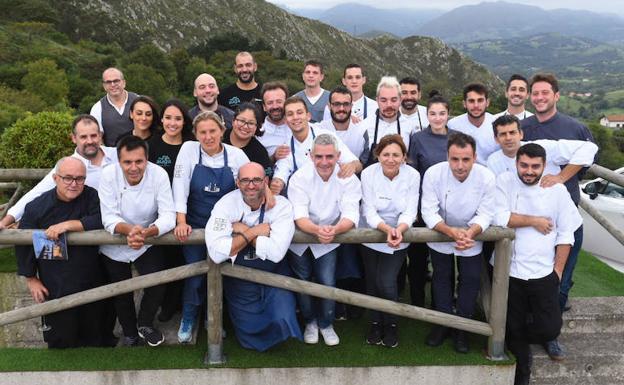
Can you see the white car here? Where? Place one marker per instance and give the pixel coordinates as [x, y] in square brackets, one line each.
[608, 198]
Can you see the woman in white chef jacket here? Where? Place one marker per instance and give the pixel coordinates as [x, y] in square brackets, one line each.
[390, 204]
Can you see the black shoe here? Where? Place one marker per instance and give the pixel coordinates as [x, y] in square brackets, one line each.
[130, 341]
[374, 334]
[390, 338]
[437, 335]
[460, 341]
[152, 336]
[554, 350]
[567, 306]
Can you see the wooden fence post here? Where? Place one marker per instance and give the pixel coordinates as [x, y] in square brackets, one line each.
[215, 354]
[498, 305]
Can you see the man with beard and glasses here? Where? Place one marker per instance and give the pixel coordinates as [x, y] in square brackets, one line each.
[386, 120]
[275, 132]
[314, 96]
[548, 123]
[87, 136]
[246, 89]
[517, 93]
[354, 79]
[476, 122]
[413, 115]
[206, 92]
[353, 135]
[545, 220]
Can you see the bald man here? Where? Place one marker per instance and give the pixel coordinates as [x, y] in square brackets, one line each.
[242, 229]
[205, 92]
[113, 111]
[69, 207]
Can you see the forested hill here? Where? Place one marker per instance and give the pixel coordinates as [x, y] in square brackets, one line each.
[172, 24]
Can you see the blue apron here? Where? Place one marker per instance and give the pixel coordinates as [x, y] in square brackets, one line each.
[207, 186]
[263, 316]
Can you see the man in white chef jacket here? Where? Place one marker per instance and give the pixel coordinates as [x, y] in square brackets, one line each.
[301, 141]
[324, 206]
[545, 219]
[458, 201]
[573, 154]
[136, 201]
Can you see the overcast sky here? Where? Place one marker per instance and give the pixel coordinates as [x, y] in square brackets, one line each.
[612, 6]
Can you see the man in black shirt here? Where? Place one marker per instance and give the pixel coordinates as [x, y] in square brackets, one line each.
[71, 206]
[206, 92]
[246, 89]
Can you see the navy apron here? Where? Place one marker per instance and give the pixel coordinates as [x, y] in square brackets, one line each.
[372, 159]
[208, 185]
[295, 166]
[263, 316]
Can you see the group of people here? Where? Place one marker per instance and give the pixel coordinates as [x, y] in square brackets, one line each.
[323, 162]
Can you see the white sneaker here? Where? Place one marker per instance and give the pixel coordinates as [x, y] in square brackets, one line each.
[310, 335]
[330, 336]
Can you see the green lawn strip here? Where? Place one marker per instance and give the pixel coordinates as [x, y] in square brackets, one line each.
[594, 278]
[8, 263]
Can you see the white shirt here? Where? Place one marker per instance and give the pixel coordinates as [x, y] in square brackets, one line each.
[357, 108]
[523, 115]
[389, 201]
[384, 128]
[188, 157]
[412, 122]
[47, 183]
[458, 204]
[96, 110]
[285, 167]
[230, 209]
[558, 153]
[325, 203]
[533, 253]
[274, 135]
[483, 135]
[147, 203]
[355, 137]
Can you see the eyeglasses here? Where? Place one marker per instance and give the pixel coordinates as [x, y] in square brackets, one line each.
[338, 104]
[246, 181]
[111, 82]
[69, 179]
[246, 123]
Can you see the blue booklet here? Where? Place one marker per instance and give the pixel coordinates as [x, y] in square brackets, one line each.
[48, 249]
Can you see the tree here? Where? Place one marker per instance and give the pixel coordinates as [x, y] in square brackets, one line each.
[151, 56]
[147, 81]
[45, 79]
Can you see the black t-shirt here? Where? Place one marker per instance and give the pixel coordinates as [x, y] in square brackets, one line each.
[164, 154]
[255, 151]
[232, 96]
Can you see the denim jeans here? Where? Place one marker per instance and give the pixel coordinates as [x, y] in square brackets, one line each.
[566, 277]
[323, 270]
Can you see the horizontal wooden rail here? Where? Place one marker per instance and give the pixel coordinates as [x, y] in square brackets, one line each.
[11, 174]
[607, 174]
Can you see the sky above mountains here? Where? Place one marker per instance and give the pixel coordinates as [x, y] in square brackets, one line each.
[601, 6]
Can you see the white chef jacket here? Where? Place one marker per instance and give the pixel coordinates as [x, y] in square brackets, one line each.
[458, 204]
[412, 122]
[47, 183]
[385, 128]
[357, 108]
[273, 136]
[325, 203]
[230, 209]
[390, 201]
[147, 203]
[523, 115]
[483, 135]
[558, 153]
[533, 253]
[188, 157]
[355, 137]
[285, 167]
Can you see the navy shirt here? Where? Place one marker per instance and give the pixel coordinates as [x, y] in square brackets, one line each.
[427, 149]
[560, 126]
[82, 269]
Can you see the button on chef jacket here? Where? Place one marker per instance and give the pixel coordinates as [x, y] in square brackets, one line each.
[147, 203]
[458, 204]
[390, 201]
[533, 253]
[274, 135]
[415, 122]
[47, 183]
[230, 209]
[483, 135]
[325, 203]
[355, 137]
[384, 128]
[188, 157]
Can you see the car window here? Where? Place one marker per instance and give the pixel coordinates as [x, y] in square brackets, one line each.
[614, 191]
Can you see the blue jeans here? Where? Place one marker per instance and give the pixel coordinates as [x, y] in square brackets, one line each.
[469, 269]
[323, 270]
[566, 277]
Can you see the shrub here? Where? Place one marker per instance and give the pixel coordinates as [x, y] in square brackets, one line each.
[46, 80]
[37, 141]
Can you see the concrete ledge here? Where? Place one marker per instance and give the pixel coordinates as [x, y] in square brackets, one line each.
[439, 375]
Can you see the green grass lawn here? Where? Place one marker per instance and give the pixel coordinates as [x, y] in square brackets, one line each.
[594, 278]
[8, 263]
